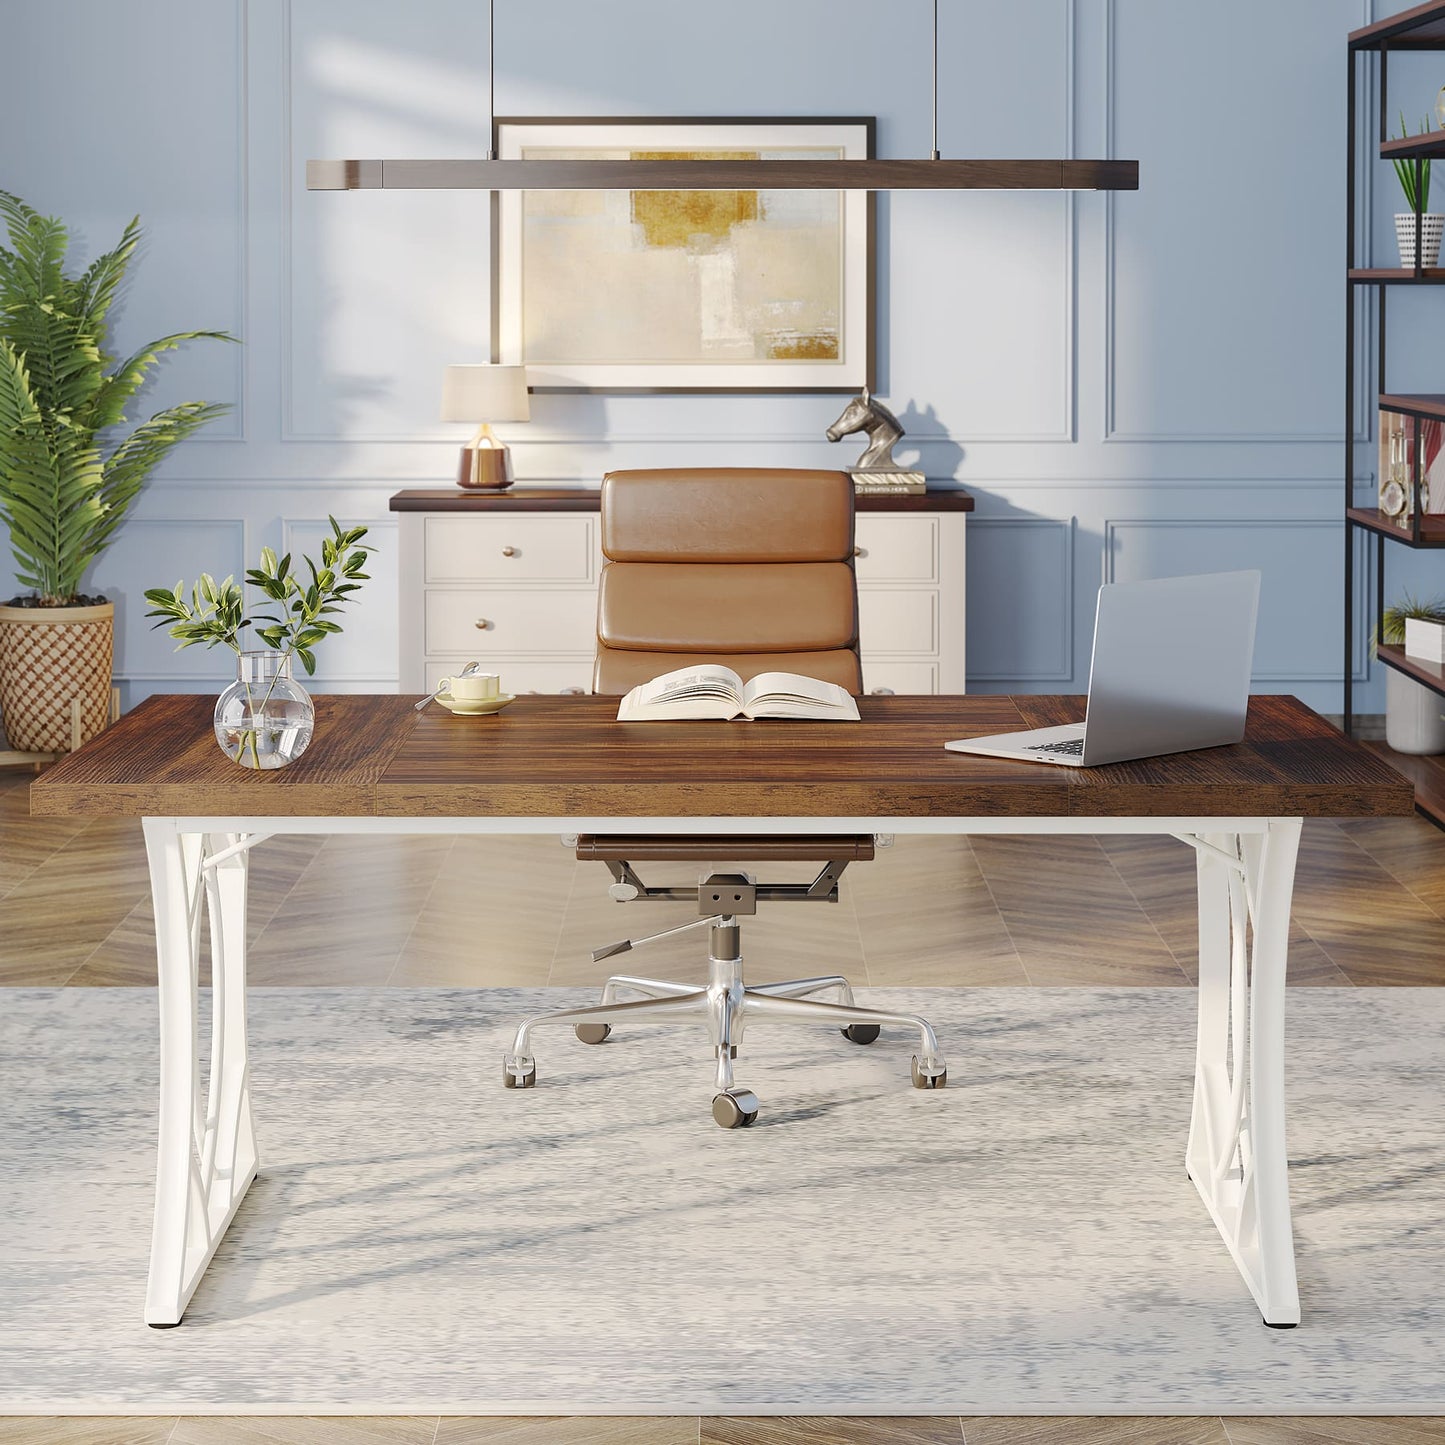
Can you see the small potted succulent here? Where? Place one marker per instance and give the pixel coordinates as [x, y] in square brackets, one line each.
[265, 719]
[1431, 225]
[1413, 713]
[70, 468]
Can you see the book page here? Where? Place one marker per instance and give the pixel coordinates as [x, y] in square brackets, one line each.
[790, 694]
[706, 691]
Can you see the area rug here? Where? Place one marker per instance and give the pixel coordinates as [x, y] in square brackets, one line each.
[422, 1240]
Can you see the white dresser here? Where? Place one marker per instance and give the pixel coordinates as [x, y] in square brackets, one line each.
[510, 578]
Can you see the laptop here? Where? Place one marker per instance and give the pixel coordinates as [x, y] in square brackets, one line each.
[1170, 673]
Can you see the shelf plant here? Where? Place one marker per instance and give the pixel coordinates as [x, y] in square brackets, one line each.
[1414, 178]
[1413, 720]
[264, 719]
[71, 465]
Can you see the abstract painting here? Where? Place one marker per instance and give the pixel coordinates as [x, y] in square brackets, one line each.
[764, 290]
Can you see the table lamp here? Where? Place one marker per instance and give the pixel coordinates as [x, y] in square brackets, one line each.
[498, 393]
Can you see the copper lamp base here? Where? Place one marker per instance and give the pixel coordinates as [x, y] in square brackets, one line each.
[485, 468]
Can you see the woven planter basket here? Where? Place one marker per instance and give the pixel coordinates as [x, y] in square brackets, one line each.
[49, 655]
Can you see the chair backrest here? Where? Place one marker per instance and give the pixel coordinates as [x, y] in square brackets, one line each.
[749, 565]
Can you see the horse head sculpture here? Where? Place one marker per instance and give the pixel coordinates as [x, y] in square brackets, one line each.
[866, 414]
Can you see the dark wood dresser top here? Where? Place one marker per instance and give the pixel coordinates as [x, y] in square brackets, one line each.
[587, 499]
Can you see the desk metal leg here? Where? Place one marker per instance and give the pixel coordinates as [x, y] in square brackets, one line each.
[207, 1153]
[1236, 1154]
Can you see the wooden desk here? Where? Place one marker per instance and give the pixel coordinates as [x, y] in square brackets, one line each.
[563, 765]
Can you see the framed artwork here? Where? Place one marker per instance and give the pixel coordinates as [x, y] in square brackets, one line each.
[685, 291]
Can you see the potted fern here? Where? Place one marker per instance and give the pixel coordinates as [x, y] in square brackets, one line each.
[69, 468]
[1416, 198]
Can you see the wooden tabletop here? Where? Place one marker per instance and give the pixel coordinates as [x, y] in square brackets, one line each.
[560, 757]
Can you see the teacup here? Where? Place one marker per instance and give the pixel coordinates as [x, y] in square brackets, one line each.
[478, 687]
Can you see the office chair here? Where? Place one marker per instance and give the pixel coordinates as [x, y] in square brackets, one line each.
[753, 567]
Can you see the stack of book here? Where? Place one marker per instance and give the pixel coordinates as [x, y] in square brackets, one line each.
[893, 481]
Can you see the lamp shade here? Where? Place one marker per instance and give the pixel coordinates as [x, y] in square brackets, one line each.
[485, 393]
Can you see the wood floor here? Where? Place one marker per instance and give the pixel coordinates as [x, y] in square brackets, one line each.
[74, 910]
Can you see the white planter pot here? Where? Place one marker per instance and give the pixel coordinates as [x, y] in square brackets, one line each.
[1431, 228]
[1413, 721]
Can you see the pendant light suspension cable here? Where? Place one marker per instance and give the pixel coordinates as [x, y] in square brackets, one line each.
[578, 174]
[935, 80]
[492, 75]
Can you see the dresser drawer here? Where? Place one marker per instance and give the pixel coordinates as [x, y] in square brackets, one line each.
[895, 620]
[509, 549]
[526, 676]
[897, 549]
[476, 622]
[887, 675]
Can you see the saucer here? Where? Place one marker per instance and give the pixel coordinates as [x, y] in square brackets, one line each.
[475, 707]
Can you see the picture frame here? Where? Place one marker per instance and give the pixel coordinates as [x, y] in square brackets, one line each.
[684, 291]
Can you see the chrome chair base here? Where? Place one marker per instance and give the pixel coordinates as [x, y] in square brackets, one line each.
[725, 1005]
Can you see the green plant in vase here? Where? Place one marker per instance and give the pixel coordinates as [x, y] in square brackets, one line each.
[265, 718]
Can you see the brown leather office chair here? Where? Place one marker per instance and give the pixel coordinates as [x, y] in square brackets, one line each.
[753, 567]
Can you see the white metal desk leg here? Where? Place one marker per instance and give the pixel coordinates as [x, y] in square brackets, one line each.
[206, 1157]
[1236, 1154]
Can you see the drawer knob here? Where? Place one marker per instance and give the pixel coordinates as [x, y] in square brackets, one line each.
[883, 692]
[574, 692]
[860, 551]
[509, 551]
[483, 623]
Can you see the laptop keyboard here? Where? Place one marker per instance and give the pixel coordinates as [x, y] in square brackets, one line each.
[1074, 747]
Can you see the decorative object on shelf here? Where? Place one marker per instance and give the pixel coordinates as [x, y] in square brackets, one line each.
[1431, 226]
[682, 291]
[1440, 108]
[1398, 439]
[68, 470]
[1425, 636]
[875, 470]
[496, 393]
[1413, 712]
[264, 719]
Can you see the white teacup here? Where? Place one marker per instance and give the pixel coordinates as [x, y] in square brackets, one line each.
[476, 688]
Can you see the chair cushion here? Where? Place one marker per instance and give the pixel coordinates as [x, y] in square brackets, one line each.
[714, 608]
[727, 514]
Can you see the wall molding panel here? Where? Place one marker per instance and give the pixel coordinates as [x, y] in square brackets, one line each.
[1113, 432]
[1043, 551]
[1232, 554]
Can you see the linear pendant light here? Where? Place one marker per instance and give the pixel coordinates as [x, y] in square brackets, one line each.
[934, 174]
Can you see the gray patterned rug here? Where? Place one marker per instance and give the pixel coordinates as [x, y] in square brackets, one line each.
[422, 1240]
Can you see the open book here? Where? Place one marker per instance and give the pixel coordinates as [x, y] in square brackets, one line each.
[713, 691]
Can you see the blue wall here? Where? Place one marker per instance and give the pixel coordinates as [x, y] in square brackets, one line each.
[1130, 386]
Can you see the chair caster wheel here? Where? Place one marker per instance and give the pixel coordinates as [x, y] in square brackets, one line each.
[861, 1033]
[928, 1075]
[593, 1033]
[519, 1073]
[735, 1108]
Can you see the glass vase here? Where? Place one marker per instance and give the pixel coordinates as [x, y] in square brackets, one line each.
[265, 718]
